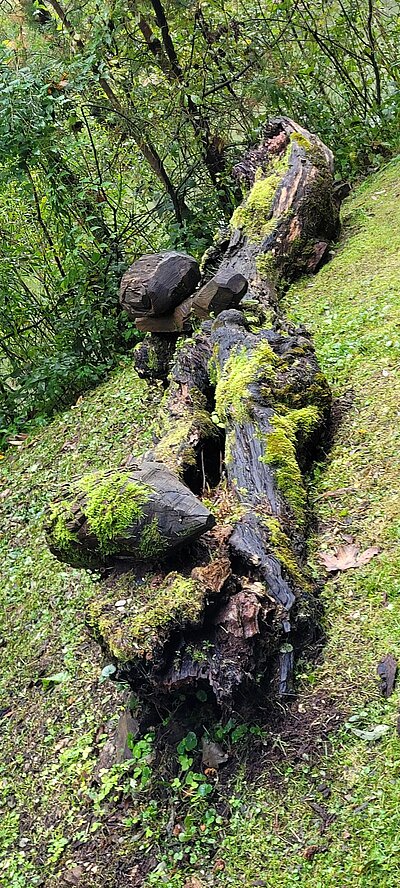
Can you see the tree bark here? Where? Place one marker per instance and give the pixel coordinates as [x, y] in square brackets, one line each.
[244, 413]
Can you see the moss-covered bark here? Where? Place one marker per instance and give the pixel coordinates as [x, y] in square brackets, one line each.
[247, 396]
[142, 513]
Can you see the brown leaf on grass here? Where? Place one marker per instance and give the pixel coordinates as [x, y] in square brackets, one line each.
[219, 865]
[73, 876]
[346, 557]
[312, 850]
[193, 882]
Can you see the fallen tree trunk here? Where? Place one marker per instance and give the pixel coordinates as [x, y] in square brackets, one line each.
[245, 407]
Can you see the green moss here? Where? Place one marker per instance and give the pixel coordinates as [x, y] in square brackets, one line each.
[113, 503]
[317, 393]
[283, 550]
[229, 445]
[58, 534]
[266, 267]
[139, 629]
[232, 395]
[254, 215]
[280, 453]
[152, 358]
[152, 541]
[301, 140]
[176, 433]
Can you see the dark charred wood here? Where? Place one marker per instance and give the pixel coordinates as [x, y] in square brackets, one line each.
[225, 290]
[222, 291]
[187, 439]
[142, 513]
[154, 356]
[246, 405]
[157, 282]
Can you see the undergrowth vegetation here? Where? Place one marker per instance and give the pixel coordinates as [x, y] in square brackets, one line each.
[119, 128]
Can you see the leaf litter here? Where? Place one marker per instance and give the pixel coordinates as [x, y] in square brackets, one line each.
[347, 557]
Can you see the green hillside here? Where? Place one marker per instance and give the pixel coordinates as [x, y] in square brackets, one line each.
[325, 808]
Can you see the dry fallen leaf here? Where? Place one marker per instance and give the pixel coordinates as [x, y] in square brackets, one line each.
[219, 865]
[73, 876]
[214, 575]
[213, 755]
[346, 557]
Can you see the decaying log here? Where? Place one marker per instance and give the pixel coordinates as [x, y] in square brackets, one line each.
[156, 283]
[290, 215]
[186, 436]
[144, 513]
[245, 408]
[274, 402]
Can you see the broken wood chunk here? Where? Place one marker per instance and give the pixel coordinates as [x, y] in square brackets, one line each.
[157, 282]
[142, 512]
[387, 671]
[224, 290]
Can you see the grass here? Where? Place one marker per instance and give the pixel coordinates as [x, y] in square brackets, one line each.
[325, 810]
[51, 731]
[352, 307]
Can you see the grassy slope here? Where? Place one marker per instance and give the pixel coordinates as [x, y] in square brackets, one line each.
[50, 737]
[353, 309]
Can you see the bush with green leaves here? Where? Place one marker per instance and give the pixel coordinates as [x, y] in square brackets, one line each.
[119, 127]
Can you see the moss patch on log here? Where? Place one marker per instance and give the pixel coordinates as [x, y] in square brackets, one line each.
[59, 534]
[301, 140]
[232, 395]
[179, 434]
[266, 267]
[283, 550]
[254, 215]
[113, 503]
[280, 453]
[133, 620]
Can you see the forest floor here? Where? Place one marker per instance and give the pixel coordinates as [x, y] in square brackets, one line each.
[309, 803]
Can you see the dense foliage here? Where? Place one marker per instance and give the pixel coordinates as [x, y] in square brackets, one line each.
[119, 125]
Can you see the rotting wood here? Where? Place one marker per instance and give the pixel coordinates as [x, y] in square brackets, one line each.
[244, 411]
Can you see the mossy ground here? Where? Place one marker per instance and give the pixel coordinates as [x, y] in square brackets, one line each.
[50, 737]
